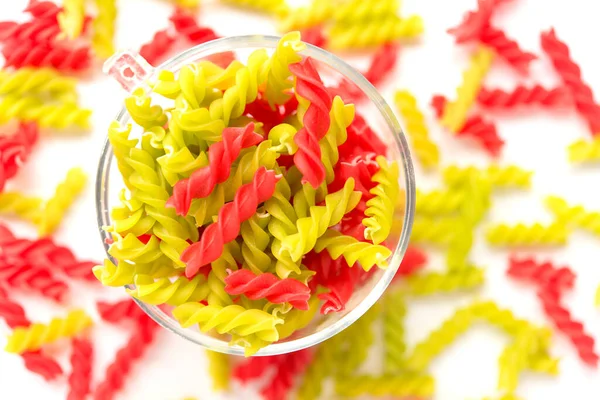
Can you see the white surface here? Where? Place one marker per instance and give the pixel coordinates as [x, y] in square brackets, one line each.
[174, 368]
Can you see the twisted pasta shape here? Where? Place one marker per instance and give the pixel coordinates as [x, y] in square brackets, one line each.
[103, 28]
[319, 218]
[29, 108]
[465, 278]
[341, 116]
[218, 274]
[275, 7]
[80, 378]
[231, 215]
[394, 311]
[570, 73]
[584, 151]
[29, 53]
[36, 81]
[65, 194]
[386, 385]
[282, 138]
[279, 83]
[219, 369]
[296, 319]
[232, 319]
[506, 48]
[438, 202]
[25, 275]
[143, 112]
[513, 360]
[120, 311]
[373, 33]
[425, 149]
[118, 137]
[356, 11]
[255, 242]
[366, 254]
[509, 176]
[322, 366]
[37, 335]
[25, 207]
[575, 215]
[380, 209]
[524, 96]
[455, 112]
[522, 234]
[430, 230]
[72, 17]
[158, 47]
[114, 275]
[304, 17]
[165, 291]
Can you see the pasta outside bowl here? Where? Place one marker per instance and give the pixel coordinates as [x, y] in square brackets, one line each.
[132, 71]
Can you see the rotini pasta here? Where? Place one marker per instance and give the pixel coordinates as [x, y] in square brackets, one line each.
[374, 33]
[35, 336]
[356, 11]
[53, 115]
[426, 150]
[165, 291]
[256, 240]
[219, 368]
[216, 278]
[584, 151]
[28, 208]
[455, 112]
[574, 215]
[37, 81]
[341, 117]
[72, 17]
[438, 202]
[103, 28]
[279, 82]
[314, 14]
[274, 7]
[438, 231]
[380, 209]
[555, 233]
[353, 251]
[464, 278]
[386, 385]
[110, 274]
[394, 311]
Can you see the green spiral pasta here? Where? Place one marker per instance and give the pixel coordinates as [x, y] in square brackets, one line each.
[366, 254]
[65, 194]
[219, 369]
[232, 319]
[216, 278]
[37, 81]
[256, 240]
[16, 203]
[143, 112]
[380, 209]
[356, 341]
[341, 116]
[386, 385]
[130, 248]
[103, 28]
[282, 138]
[279, 82]
[466, 278]
[165, 291]
[312, 227]
[394, 311]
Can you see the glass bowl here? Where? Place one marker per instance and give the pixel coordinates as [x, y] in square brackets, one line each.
[133, 71]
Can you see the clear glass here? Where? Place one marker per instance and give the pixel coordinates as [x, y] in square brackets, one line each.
[131, 71]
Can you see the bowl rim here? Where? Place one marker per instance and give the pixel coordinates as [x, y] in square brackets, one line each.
[234, 43]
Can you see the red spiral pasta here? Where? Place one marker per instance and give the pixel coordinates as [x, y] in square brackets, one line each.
[475, 21]
[38, 30]
[227, 227]
[340, 288]
[314, 35]
[570, 73]
[19, 274]
[289, 366]
[361, 168]
[253, 368]
[382, 64]
[43, 9]
[524, 96]
[543, 274]
[361, 139]
[186, 25]
[12, 313]
[316, 122]
[29, 53]
[268, 286]
[126, 357]
[506, 48]
[15, 150]
[80, 378]
[120, 311]
[574, 330]
[414, 259]
[158, 47]
[221, 156]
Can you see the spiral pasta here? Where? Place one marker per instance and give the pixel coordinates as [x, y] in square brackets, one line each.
[110, 274]
[521, 234]
[118, 137]
[219, 369]
[37, 81]
[71, 18]
[513, 360]
[574, 215]
[386, 385]
[356, 11]
[103, 28]
[394, 311]
[465, 278]
[438, 231]
[54, 115]
[509, 176]
[279, 83]
[584, 151]
[425, 149]
[455, 112]
[35, 336]
[353, 251]
[274, 7]
[341, 117]
[232, 319]
[64, 195]
[143, 112]
[380, 209]
[304, 17]
[323, 365]
[216, 278]
[438, 202]
[256, 240]
[296, 319]
[374, 33]
[282, 138]
[165, 291]
[28, 208]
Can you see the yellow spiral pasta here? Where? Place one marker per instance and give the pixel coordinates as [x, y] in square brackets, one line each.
[256, 240]
[186, 3]
[165, 291]
[315, 14]
[65, 194]
[543, 363]
[310, 228]
[465, 278]
[16, 203]
[219, 369]
[526, 235]
[341, 116]
[72, 17]
[218, 272]
[439, 202]
[514, 360]
[374, 33]
[232, 319]
[574, 215]
[129, 217]
[434, 230]
[356, 11]
[386, 385]
[584, 151]
[455, 111]
[500, 177]
[460, 246]
[394, 311]
[130, 248]
[37, 81]
[273, 7]
[425, 149]
[54, 115]
[282, 139]
[380, 209]
[37, 335]
[110, 274]
[296, 319]
[353, 251]
[143, 112]
[103, 28]
[279, 82]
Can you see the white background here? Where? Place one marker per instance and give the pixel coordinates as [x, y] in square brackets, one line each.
[535, 139]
